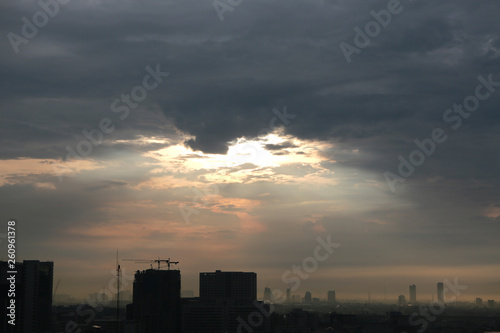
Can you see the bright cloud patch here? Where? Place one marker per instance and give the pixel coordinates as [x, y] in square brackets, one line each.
[275, 156]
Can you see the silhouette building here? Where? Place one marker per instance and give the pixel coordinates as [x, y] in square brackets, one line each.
[227, 303]
[267, 294]
[33, 296]
[299, 320]
[413, 294]
[440, 291]
[157, 301]
[233, 285]
[331, 297]
[479, 301]
[308, 297]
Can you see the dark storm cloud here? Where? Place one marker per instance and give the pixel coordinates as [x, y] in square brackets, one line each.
[227, 76]
[280, 146]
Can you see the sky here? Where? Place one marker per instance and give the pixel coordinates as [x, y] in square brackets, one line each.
[232, 135]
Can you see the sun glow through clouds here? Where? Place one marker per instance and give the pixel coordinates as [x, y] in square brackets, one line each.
[246, 158]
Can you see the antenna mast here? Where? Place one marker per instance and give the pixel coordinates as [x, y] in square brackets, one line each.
[117, 294]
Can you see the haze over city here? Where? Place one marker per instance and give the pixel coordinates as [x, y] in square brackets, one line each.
[233, 139]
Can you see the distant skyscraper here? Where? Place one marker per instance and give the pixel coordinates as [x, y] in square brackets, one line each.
[157, 301]
[440, 291]
[479, 301]
[413, 294]
[331, 297]
[308, 297]
[401, 300]
[33, 295]
[288, 300]
[187, 293]
[267, 294]
[491, 303]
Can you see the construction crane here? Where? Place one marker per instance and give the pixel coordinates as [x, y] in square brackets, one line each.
[159, 261]
[55, 289]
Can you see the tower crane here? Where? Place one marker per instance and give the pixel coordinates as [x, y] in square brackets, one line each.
[159, 261]
[55, 289]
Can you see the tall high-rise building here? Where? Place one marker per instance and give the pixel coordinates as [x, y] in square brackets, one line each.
[288, 299]
[33, 296]
[227, 303]
[240, 286]
[401, 300]
[157, 301]
[440, 291]
[413, 294]
[308, 297]
[331, 297]
[479, 301]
